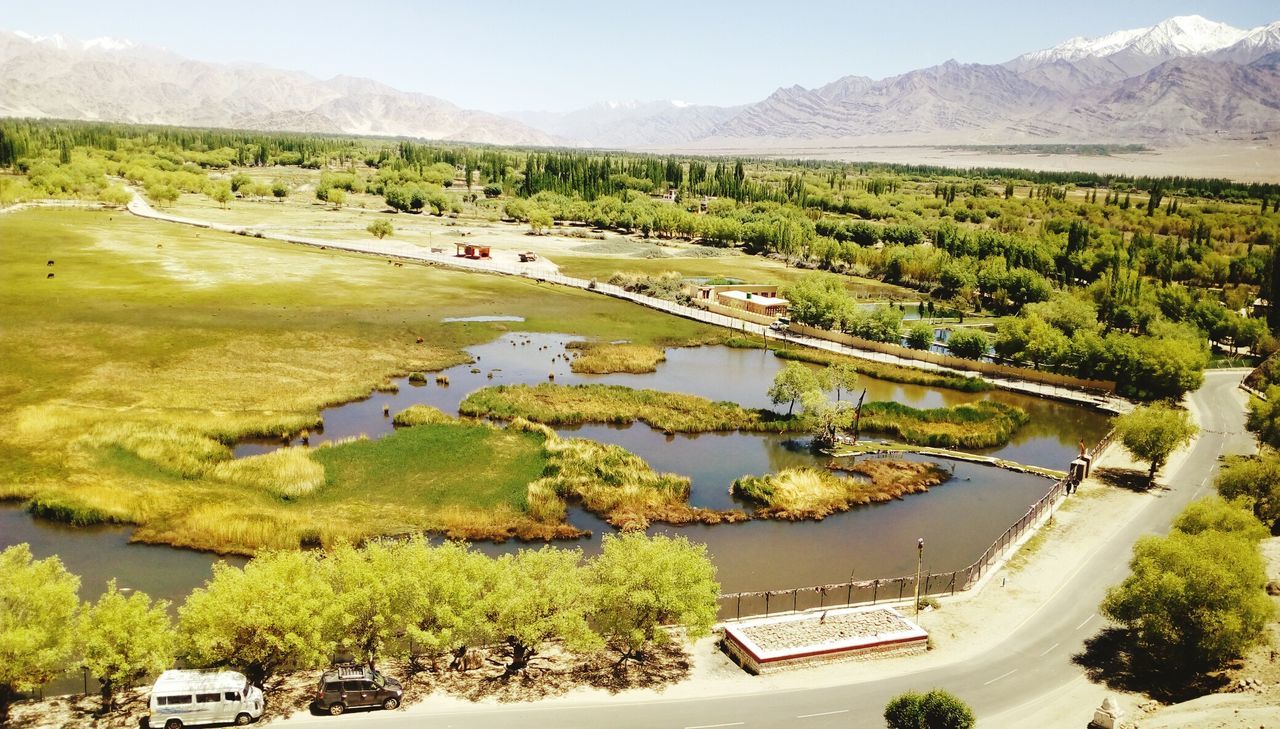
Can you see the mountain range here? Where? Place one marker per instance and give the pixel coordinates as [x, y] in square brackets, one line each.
[1184, 80]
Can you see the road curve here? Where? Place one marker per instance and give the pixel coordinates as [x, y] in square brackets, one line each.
[1032, 663]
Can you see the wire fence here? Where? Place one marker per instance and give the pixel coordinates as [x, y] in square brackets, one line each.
[738, 605]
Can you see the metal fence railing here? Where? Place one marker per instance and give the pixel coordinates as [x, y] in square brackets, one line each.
[735, 606]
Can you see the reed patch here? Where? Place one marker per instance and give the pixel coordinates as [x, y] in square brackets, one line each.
[811, 493]
[605, 358]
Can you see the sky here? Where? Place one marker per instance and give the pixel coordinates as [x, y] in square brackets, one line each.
[559, 55]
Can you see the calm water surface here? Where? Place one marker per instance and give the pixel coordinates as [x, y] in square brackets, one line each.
[958, 519]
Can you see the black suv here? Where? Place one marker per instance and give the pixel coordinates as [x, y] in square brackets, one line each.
[348, 687]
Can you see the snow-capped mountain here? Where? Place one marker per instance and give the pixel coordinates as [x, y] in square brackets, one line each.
[1179, 37]
[1183, 80]
[1185, 35]
[1256, 44]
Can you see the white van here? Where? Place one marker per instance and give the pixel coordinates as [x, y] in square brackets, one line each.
[193, 698]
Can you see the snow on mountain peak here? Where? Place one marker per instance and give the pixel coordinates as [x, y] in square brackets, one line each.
[1178, 36]
[107, 44]
[1188, 34]
[56, 40]
[59, 42]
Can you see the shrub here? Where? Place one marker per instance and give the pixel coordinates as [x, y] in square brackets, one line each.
[937, 709]
[920, 336]
[420, 415]
[968, 343]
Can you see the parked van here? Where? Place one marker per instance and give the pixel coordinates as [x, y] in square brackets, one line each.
[196, 698]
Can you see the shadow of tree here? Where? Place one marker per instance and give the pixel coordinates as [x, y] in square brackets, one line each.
[554, 673]
[1126, 478]
[1110, 658]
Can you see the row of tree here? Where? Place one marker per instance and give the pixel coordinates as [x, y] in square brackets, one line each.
[297, 610]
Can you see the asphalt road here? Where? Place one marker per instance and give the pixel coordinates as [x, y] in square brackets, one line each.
[1032, 663]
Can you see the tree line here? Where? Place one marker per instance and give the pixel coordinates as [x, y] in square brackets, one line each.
[388, 599]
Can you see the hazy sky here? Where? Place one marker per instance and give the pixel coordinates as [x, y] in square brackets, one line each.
[561, 54]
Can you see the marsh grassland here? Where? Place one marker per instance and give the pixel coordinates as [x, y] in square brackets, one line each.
[127, 374]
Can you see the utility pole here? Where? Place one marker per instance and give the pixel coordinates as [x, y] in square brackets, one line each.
[919, 560]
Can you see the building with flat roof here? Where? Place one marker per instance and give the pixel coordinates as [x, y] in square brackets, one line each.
[756, 303]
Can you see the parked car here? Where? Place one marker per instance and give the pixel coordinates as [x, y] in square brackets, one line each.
[780, 324]
[195, 698]
[349, 687]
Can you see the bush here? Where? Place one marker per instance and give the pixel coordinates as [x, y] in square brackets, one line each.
[937, 709]
[920, 336]
[968, 343]
[1192, 601]
[380, 229]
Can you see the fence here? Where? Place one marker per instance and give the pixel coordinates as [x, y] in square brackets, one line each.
[895, 589]
[946, 360]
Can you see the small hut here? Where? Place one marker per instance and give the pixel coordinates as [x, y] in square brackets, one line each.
[472, 251]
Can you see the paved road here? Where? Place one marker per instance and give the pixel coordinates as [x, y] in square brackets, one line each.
[1032, 663]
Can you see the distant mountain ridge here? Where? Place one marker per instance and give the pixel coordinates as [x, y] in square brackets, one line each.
[1183, 80]
[114, 80]
[1137, 85]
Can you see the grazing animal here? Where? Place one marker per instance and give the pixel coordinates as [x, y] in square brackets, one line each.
[49, 276]
[50, 263]
[420, 340]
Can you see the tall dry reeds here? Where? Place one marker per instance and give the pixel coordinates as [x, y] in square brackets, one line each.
[810, 493]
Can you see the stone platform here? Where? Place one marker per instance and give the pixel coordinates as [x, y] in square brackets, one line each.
[765, 645]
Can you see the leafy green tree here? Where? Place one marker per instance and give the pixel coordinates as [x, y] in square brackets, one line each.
[937, 709]
[492, 190]
[124, 639]
[380, 228]
[824, 418]
[1256, 481]
[882, 324]
[841, 376]
[38, 615]
[221, 193]
[163, 194]
[1066, 313]
[968, 343]
[239, 180]
[369, 597]
[1192, 601]
[790, 383]
[1264, 416]
[539, 221]
[279, 190]
[537, 596]
[1213, 513]
[276, 612]
[644, 584]
[920, 336]
[336, 196]
[820, 300]
[446, 590]
[1152, 432]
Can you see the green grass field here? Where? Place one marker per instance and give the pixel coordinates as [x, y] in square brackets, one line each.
[125, 375]
[982, 424]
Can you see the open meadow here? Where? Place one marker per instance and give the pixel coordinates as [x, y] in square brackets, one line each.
[134, 353]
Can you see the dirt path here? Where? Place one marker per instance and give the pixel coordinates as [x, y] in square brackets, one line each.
[544, 270]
